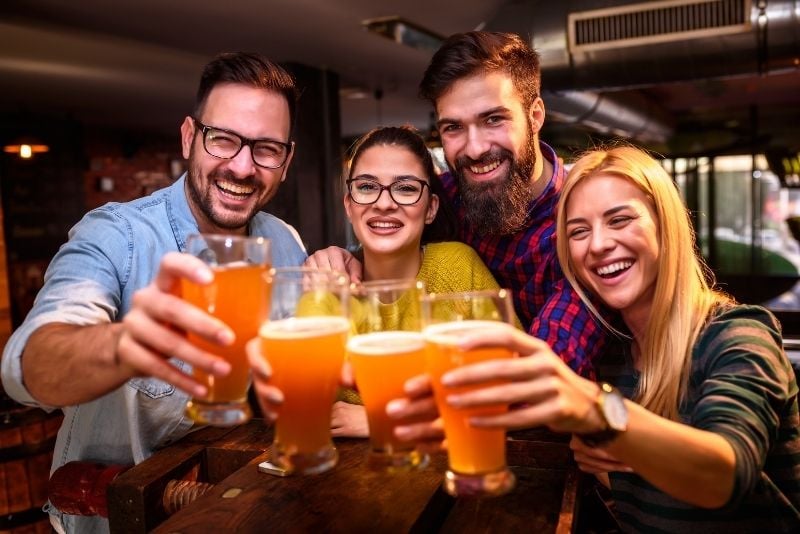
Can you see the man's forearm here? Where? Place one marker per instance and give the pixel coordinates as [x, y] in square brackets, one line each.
[65, 364]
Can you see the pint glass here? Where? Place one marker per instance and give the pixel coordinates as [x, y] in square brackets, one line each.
[237, 296]
[304, 343]
[387, 350]
[476, 456]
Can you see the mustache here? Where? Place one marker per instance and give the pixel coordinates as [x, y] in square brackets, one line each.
[496, 154]
[224, 174]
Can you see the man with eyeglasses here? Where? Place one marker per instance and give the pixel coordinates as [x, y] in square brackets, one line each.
[105, 340]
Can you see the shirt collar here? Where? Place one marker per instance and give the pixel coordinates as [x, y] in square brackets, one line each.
[180, 214]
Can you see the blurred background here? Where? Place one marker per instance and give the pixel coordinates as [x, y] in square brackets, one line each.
[93, 92]
[97, 90]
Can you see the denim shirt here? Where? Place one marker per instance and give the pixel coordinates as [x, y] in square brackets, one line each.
[112, 252]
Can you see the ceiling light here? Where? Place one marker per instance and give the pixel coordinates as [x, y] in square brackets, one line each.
[404, 32]
[354, 93]
[26, 149]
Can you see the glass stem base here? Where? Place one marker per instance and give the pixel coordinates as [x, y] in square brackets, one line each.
[218, 413]
[397, 461]
[481, 485]
[304, 463]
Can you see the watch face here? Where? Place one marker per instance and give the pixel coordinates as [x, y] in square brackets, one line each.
[615, 411]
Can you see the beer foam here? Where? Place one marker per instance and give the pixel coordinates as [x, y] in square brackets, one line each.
[304, 327]
[238, 264]
[451, 333]
[386, 343]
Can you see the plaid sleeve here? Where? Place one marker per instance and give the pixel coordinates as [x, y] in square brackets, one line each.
[570, 329]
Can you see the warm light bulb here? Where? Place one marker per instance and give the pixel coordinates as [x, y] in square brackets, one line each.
[25, 151]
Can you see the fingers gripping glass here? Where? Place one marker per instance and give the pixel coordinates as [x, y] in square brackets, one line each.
[404, 192]
[225, 144]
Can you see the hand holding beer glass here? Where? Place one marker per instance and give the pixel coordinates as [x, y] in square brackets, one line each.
[304, 343]
[476, 456]
[237, 296]
[387, 350]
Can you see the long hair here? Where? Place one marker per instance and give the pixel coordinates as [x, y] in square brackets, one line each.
[683, 298]
[443, 226]
[249, 69]
[466, 54]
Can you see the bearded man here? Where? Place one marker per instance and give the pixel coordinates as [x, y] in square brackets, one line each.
[505, 183]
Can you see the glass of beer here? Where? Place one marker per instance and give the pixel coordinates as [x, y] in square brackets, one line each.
[238, 297]
[476, 456]
[387, 350]
[304, 343]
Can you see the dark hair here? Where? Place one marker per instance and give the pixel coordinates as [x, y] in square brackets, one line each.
[466, 54]
[443, 226]
[249, 69]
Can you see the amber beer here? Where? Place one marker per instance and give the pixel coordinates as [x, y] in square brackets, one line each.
[382, 362]
[471, 450]
[306, 355]
[238, 297]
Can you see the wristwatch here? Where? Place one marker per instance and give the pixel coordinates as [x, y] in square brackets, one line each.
[611, 405]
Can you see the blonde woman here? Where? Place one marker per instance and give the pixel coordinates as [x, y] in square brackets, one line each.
[702, 434]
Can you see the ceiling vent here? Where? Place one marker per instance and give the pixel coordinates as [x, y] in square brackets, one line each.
[656, 22]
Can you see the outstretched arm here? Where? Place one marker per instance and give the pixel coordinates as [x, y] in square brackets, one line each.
[66, 364]
[693, 465]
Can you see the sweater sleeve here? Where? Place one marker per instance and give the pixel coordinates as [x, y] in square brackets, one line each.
[451, 266]
[747, 389]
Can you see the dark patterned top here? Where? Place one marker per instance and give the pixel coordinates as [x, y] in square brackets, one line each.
[742, 387]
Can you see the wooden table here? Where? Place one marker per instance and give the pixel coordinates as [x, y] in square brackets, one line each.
[349, 498]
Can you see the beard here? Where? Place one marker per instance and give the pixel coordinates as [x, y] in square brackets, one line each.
[500, 206]
[200, 186]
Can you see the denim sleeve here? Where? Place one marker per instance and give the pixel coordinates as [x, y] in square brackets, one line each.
[82, 286]
[287, 247]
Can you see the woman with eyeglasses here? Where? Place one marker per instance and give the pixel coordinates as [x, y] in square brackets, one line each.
[392, 201]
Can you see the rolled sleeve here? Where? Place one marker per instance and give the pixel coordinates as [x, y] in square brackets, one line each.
[82, 286]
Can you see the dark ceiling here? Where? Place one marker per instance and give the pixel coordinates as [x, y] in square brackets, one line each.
[137, 62]
[134, 64]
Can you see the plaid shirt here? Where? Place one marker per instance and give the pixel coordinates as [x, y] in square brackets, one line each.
[526, 263]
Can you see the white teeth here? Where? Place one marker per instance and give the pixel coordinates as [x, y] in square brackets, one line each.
[485, 168]
[614, 267]
[236, 189]
[383, 224]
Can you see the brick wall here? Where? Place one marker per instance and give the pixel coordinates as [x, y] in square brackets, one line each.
[119, 172]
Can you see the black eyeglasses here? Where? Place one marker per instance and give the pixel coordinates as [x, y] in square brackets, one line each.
[404, 192]
[225, 144]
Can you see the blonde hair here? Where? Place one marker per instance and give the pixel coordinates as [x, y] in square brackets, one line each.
[683, 296]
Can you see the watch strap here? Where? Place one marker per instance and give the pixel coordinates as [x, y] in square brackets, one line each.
[601, 437]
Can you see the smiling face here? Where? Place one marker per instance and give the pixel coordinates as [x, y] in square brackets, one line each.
[490, 143]
[386, 228]
[612, 233]
[224, 194]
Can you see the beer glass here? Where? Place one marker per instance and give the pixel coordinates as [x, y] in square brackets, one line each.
[304, 343]
[476, 456]
[387, 350]
[237, 296]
